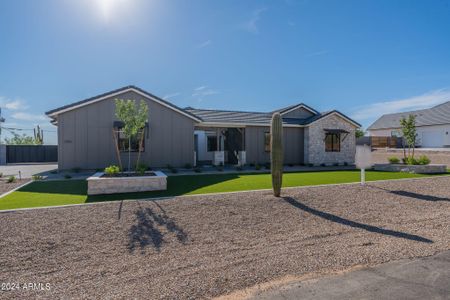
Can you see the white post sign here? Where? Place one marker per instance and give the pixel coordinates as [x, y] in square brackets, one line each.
[363, 160]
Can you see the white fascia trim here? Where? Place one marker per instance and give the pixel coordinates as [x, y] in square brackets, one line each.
[338, 114]
[237, 125]
[118, 93]
[298, 106]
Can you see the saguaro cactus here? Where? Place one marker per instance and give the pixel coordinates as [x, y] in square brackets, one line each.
[276, 153]
[38, 135]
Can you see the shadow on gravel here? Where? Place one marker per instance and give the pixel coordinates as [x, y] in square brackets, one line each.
[419, 196]
[151, 228]
[413, 195]
[370, 228]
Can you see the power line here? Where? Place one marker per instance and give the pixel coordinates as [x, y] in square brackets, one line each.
[25, 129]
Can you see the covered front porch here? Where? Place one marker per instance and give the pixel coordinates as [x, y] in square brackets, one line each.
[219, 146]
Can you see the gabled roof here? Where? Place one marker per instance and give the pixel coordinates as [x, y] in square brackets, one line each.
[437, 115]
[258, 118]
[290, 108]
[54, 112]
[208, 115]
[322, 115]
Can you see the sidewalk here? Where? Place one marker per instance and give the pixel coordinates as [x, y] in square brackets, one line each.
[422, 278]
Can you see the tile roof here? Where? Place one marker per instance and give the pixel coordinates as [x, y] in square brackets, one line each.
[209, 115]
[437, 115]
[256, 118]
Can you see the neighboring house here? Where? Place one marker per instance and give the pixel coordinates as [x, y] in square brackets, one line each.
[176, 136]
[433, 126]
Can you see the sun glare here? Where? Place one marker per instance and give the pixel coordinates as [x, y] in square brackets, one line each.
[108, 8]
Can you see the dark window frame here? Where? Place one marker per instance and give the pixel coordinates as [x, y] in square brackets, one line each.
[122, 141]
[332, 142]
[211, 146]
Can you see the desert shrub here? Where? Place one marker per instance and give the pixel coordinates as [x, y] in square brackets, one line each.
[409, 161]
[257, 167]
[11, 179]
[141, 168]
[112, 170]
[393, 160]
[423, 160]
[37, 177]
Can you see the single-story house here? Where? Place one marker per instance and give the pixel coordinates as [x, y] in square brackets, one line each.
[88, 131]
[433, 126]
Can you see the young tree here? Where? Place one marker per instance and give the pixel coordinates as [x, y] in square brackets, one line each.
[409, 132]
[134, 118]
[359, 133]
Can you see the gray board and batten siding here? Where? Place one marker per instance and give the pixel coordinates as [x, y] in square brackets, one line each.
[85, 135]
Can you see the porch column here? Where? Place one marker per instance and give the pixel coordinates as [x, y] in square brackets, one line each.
[219, 155]
[242, 156]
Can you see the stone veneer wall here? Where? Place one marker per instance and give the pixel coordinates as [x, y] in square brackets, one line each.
[315, 142]
[98, 185]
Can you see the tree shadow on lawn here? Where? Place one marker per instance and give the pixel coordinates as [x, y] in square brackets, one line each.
[176, 186]
[71, 187]
[370, 228]
[151, 228]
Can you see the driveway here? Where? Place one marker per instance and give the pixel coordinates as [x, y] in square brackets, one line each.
[423, 278]
[27, 169]
[200, 247]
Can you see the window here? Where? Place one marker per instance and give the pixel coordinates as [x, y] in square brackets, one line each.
[332, 142]
[267, 141]
[212, 143]
[396, 133]
[123, 142]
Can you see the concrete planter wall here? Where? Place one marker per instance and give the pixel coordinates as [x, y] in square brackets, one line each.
[112, 185]
[420, 169]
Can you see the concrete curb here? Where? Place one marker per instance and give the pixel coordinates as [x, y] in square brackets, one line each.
[15, 189]
[210, 194]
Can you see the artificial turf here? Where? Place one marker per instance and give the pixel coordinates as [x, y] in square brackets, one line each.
[52, 193]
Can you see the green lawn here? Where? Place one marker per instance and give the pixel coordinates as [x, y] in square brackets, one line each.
[50, 193]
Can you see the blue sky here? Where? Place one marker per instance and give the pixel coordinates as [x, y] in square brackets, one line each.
[364, 58]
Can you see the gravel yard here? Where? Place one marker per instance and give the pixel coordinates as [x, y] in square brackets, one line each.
[436, 157]
[6, 187]
[206, 246]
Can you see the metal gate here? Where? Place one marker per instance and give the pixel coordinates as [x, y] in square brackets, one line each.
[31, 153]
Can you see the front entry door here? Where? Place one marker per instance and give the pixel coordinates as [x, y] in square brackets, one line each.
[233, 144]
